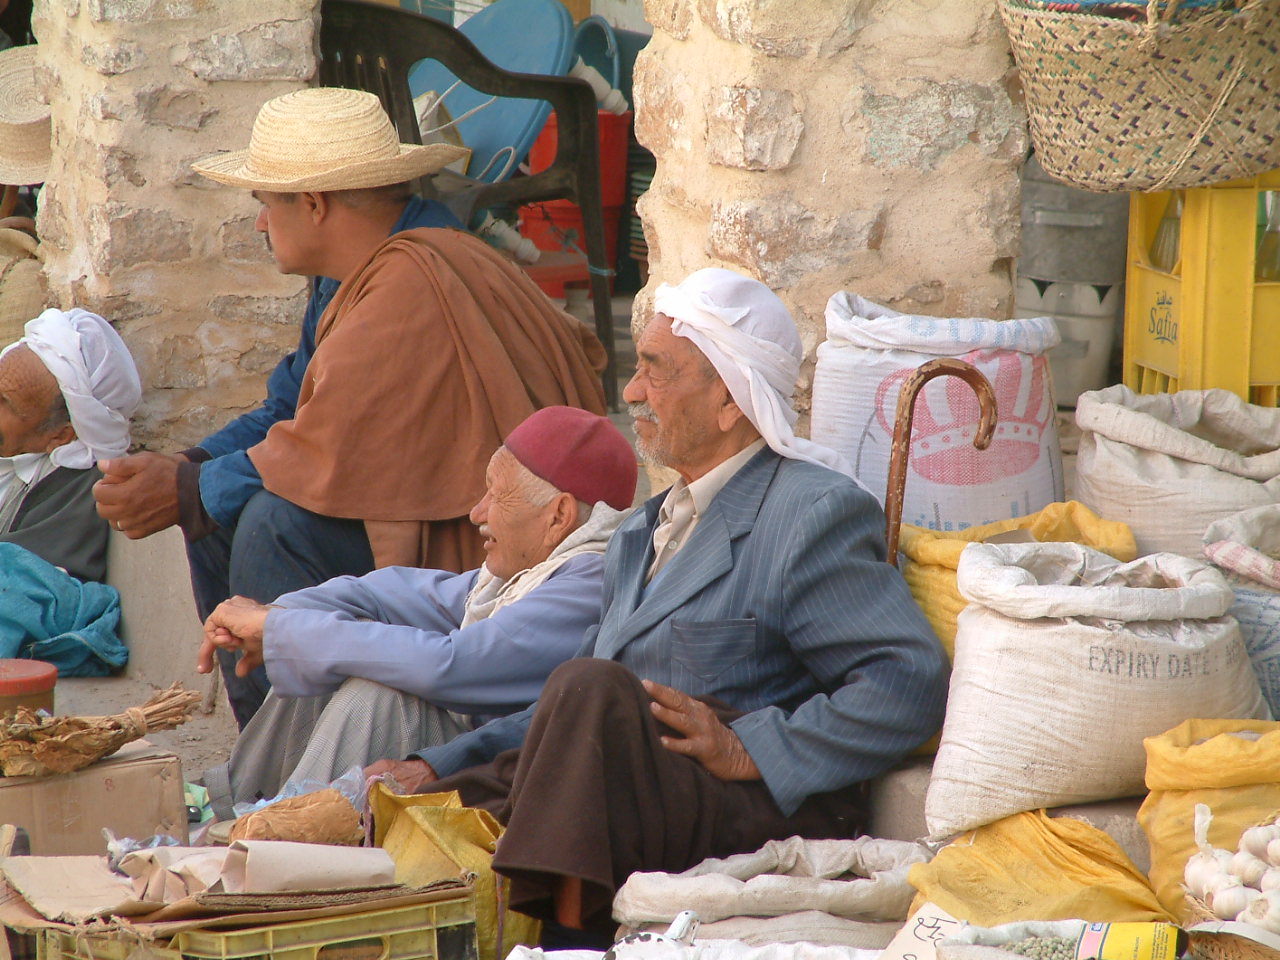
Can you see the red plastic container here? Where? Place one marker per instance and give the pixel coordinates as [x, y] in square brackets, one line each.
[548, 224]
[26, 683]
[614, 131]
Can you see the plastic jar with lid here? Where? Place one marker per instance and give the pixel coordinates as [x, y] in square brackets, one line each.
[26, 683]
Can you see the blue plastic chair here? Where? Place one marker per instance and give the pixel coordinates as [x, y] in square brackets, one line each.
[523, 36]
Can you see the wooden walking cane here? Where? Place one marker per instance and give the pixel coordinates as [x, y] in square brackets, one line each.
[911, 387]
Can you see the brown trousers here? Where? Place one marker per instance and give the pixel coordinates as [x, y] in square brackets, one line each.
[592, 793]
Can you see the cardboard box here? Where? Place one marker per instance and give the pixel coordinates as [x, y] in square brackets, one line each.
[136, 792]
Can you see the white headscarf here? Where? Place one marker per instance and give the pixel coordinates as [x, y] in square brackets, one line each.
[747, 333]
[97, 377]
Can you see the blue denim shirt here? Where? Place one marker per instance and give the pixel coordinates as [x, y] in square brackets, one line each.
[230, 478]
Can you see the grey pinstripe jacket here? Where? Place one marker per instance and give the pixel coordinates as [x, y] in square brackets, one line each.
[782, 606]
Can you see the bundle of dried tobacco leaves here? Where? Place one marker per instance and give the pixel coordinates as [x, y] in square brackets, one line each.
[35, 746]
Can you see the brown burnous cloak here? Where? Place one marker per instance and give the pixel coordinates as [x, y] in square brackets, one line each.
[430, 353]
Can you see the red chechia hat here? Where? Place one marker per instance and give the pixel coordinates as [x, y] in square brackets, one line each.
[578, 452]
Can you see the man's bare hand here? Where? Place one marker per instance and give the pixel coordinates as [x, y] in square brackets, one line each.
[413, 775]
[138, 494]
[235, 624]
[705, 738]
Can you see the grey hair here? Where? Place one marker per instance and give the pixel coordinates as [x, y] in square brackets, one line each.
[538, 492]
[57, 416]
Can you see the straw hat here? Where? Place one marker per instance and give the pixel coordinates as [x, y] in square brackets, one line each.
[24, 121]
[325, 138]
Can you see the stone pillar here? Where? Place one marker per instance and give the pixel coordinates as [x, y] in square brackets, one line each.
[867, 145]
[138, 89]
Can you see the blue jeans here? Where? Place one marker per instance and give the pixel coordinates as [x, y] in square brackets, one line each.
[275, 548]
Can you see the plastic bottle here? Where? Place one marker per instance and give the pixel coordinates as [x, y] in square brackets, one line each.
[1165, 249]
[1268, 259]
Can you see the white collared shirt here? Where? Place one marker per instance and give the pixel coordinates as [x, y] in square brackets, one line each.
[17, 475]
[686, 502]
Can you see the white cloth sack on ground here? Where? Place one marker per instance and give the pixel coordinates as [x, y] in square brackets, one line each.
[807, 926]
[1169, 464]
[1065, 660]
[1244, 546]
[862, 880]
[870, 350]
[709, 949]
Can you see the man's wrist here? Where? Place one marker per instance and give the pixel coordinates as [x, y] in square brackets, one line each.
[192, 516]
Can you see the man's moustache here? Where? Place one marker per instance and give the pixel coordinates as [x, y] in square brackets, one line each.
[642, 411]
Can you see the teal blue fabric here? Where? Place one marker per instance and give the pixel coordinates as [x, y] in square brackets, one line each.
[47, 615]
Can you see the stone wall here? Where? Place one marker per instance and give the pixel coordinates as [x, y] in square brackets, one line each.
[138, 89]
[867, 145]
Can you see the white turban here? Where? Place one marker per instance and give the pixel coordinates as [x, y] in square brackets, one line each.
[97, 378]
[747, 333]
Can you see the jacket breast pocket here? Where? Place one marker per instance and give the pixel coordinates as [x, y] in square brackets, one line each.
[708, 648]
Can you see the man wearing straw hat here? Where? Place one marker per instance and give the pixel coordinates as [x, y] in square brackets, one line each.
[419, 355]
[24, 159]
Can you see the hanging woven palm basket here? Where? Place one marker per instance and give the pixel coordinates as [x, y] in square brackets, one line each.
[1158, 95]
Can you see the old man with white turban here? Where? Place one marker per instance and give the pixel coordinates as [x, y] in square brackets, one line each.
[67, 390]
[757, 659]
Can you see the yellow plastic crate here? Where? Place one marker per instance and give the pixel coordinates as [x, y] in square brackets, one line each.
[425, 931]
[1207, 323]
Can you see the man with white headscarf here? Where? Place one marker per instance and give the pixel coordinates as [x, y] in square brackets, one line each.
[757, 659]
[67, 390]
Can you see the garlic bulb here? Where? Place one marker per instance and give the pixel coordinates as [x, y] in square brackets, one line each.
[1255, 839]
[1270, 880]
[1273, 852]
[1207, 869]
[1264, 911]
[1248, 868]
[1204, 867]
[1229, 902]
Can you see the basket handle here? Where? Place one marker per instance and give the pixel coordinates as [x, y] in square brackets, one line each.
[1154, 16]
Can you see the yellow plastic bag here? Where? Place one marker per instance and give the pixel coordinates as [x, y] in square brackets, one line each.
[432, 836]
[934, 555]
[1209, 762]
[1034, 867]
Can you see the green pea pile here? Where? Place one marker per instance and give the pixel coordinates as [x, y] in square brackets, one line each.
[1045, 948]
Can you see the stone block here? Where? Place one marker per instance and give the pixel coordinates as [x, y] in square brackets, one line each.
[257, 310]
[120, 309]
[113, 56]
[120, 166]
[175, 108]
[753, 128]
[168, 362]
[143, 236]
[673, 17]
[242, 243]
[280, 50]
[143, 11]
[784, 29]
[660, 123]
[782, 241]
[921, 126]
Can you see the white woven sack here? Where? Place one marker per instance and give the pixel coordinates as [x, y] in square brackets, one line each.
[860, 879]
[1168, 465]
[1244, 547]
[870, 350]
[1065, 660]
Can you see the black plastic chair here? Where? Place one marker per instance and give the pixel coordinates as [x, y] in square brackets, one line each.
[371, 46]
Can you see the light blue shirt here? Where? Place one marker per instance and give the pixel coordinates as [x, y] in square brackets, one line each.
[401, 626]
